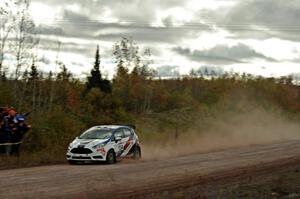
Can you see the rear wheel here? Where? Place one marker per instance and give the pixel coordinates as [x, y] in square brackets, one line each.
[137, 154]
[110, 157]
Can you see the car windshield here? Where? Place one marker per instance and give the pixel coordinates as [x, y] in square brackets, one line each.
[96, 134]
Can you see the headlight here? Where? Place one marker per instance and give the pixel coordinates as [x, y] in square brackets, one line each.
[70, 146]
[99, 145]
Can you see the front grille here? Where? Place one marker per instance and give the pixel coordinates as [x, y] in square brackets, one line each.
[98, 157]
[81, 151]
[82, 158]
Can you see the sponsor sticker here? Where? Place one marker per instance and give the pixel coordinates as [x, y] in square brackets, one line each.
[101, 150]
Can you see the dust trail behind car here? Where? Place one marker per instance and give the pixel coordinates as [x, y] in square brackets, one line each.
[227, 131]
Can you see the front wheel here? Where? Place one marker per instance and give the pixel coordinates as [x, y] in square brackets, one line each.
[110, 157]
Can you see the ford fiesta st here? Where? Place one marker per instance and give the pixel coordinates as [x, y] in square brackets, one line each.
[104, 143]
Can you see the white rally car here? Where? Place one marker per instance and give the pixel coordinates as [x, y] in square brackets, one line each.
[104, 143]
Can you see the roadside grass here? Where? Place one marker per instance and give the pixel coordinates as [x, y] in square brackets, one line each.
[26, 159]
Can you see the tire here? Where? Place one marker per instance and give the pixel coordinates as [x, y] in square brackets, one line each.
[72, 162]
[137, 154]
[110, 157]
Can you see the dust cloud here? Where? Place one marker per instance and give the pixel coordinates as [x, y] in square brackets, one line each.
[227, 131]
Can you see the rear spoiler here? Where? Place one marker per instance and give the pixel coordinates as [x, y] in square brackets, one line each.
[118, 124]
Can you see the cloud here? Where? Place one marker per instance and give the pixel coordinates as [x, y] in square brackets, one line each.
[261, 19]
[130, 10]
[105, 22]
[246, 19]
[222, 54]
[75, 24]
[50, 30]
[167, 71]
[150, 34]
[44, 60]
[75, 17]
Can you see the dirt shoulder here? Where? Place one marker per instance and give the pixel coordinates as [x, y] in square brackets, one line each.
[277, 179]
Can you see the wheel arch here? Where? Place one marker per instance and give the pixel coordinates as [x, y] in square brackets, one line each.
[136, 145]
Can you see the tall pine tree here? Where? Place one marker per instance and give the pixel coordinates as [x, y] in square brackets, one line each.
[95, 80]
[33, 74]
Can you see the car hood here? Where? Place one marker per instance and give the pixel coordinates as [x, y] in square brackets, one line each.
[87, 142]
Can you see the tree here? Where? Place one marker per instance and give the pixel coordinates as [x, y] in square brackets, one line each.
[95, 80]
[64, 75]
[33, 77]
[33, 74]
[146, 72]
[126, 54]
[3, 76]
[7, 22]
[25, 75]
[131, 81]
[25, 35]
[193, 73]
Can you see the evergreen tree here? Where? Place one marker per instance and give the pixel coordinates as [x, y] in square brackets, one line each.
[64, 74]
[95, 80]
[50, 76]
[33, 74]
[25, 75]
[3, 76]
[193, 73]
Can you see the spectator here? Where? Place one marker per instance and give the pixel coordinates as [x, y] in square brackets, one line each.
[18, 134]
[8, 127]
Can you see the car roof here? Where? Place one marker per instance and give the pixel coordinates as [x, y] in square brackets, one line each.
[110, 126]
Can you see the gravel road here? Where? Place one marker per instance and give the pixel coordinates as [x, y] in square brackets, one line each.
[128, 178]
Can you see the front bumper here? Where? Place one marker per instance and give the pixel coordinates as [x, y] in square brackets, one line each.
[95, 156]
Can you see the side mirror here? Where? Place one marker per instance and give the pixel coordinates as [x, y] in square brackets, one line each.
[117, 139]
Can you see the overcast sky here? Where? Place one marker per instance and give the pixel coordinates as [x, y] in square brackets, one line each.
[254, 36]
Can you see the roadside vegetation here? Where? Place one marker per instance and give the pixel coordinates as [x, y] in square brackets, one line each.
[163, 110]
